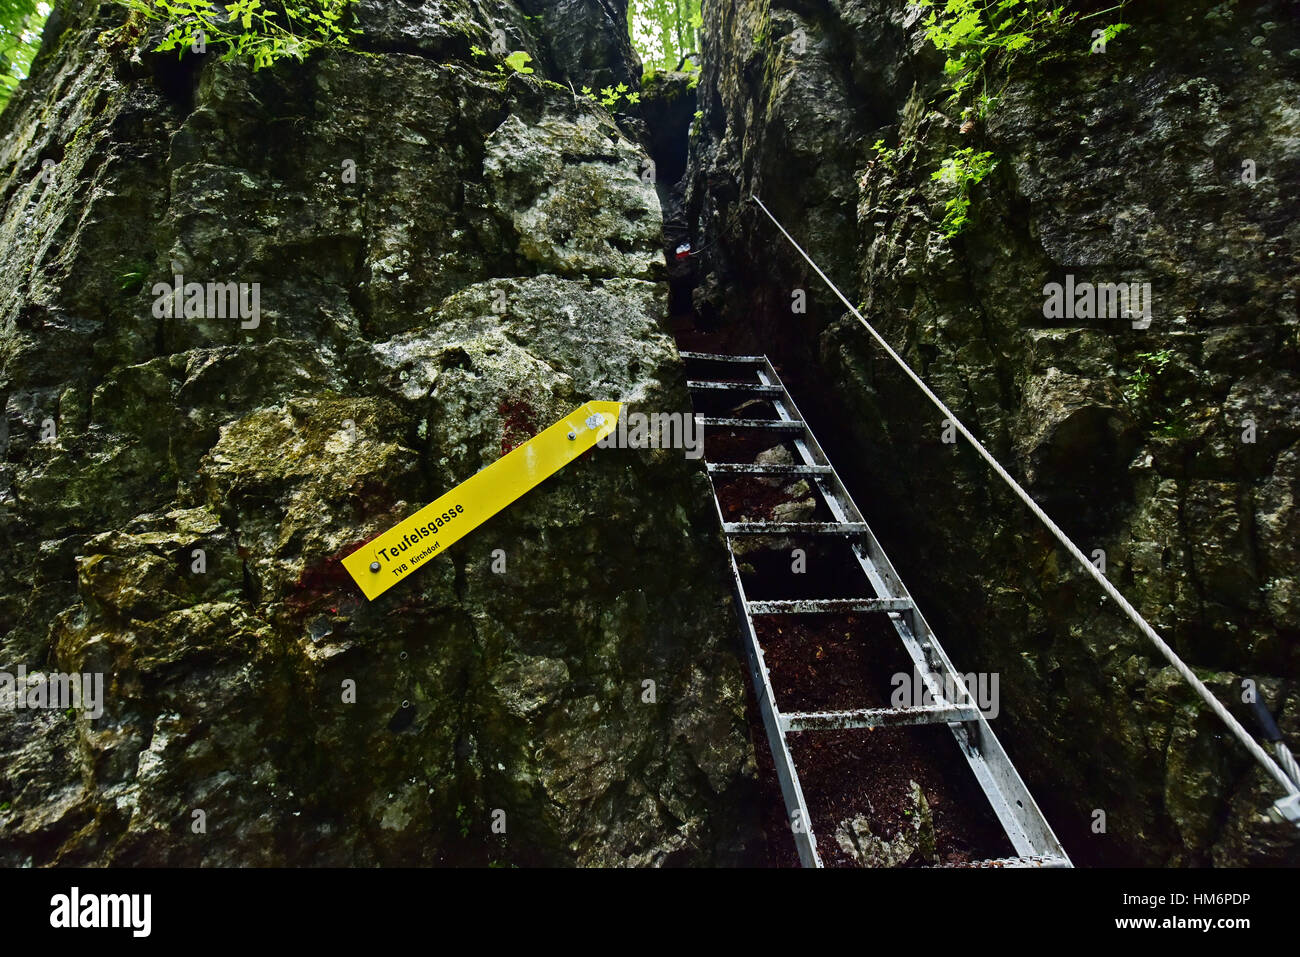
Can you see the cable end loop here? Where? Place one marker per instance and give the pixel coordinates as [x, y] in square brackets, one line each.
[1286, 810]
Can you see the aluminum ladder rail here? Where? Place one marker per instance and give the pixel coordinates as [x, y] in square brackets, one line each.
[1027, 830]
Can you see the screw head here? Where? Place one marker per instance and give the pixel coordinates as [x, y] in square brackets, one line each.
[374, 566]
[573, 435]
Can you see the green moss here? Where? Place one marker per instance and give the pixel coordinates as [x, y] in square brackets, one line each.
[660, 84]
[470, 30]
[552, 85]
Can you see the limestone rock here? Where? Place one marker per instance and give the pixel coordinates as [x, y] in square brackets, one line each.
[447, 259]
[913, 843]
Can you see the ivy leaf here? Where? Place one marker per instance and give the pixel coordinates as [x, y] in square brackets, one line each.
[518, 61]
[1114, 30]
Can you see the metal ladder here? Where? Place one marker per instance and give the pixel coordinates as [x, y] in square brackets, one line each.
[1021, 820]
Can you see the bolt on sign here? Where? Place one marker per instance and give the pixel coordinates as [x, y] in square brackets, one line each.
[384, 561]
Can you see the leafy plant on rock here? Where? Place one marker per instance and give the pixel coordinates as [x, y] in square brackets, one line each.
[981, 38]
[518, 62]
[1144, 391]
[979, 34]
[265, 34]
[609, 96]
[963, 170]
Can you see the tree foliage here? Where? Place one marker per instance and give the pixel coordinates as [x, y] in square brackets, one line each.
[21, 24]
[664, 31]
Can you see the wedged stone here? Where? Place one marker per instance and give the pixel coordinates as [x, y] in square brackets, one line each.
[574, 195]
[914, 843]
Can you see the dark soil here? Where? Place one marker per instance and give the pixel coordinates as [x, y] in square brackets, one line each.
[845, 773]
[750, 499]
[718, 402]
[746, 497]
[739, 446]
[831, 662]
[831, 571]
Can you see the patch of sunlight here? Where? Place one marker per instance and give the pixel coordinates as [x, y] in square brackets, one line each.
[664, 32]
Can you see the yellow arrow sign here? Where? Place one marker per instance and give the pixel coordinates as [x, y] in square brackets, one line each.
[410, 544]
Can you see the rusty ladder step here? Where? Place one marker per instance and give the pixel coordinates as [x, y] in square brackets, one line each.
[749, 388]
[831, 606]
[753, 468]
[794, 528]
[1013, 862]
[772, 425]
[714, 357]
[794, 721]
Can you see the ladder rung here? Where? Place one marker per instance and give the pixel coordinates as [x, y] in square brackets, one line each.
[779, 425]
[759, 360]
[750, 388]
[876, 717]
[794, 528]
[812, 606]
[754, 468]
[1014, 862]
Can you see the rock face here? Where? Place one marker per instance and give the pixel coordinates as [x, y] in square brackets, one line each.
[913, 842]
[448, 258]
[1171, 448]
